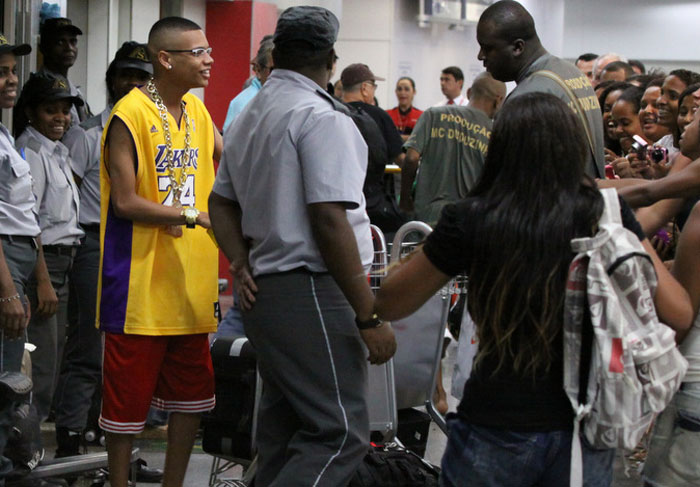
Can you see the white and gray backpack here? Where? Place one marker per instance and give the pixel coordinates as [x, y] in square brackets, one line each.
[635, 366]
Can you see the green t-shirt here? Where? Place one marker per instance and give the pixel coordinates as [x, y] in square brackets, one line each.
[452, 141]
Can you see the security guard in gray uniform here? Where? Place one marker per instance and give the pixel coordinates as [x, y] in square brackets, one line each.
[18, 253]
[46, 101]
[309, 308]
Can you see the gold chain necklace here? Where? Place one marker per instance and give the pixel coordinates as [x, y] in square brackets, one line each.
[176, 185]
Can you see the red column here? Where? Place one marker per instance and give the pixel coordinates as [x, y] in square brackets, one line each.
[234, 30]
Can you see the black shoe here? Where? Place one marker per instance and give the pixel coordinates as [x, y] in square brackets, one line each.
[67, 442]
[146, 474]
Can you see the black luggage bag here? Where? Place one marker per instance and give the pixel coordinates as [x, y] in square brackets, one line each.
[227, 430]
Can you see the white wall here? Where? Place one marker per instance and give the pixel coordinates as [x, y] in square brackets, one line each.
[370, 28]
[384, 34]
[106, 24]
[549, 22]
[143, 14]
[660, 33]
[365, 37]
[335, 6]
[422, 53]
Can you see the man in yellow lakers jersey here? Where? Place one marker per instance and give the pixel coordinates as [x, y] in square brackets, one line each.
[158, 270]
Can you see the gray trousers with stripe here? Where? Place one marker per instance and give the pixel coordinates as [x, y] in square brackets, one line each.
[313, 426]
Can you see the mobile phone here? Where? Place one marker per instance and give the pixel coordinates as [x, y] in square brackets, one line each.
[609, 172]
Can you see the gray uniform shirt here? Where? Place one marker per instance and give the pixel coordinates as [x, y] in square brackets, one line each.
[580, 85]
[54, 188]
[287, 149]
[83, 142]
[17, 202]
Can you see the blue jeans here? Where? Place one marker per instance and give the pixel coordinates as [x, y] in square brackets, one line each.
[672, 459]
[482, 456]
[232, 324]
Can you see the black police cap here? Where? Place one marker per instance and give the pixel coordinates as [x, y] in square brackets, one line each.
[18, 50]
[45, 87]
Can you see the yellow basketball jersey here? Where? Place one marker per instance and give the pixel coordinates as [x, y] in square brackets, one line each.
[150, 282]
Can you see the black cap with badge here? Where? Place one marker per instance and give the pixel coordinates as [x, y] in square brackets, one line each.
[133, 55]
[316, 26]
[18, 50]
[52, 28]
[45, 87]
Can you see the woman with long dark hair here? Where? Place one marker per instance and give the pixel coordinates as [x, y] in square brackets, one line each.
[511, 236]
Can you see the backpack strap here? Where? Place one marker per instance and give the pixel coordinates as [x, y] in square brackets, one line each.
[611, 213]
[575, 385]
[609, 220]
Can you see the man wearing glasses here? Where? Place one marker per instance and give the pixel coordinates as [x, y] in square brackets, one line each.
[157, 290]
[262, 67]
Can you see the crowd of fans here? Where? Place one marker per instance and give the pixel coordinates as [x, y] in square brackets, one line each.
[523, 158]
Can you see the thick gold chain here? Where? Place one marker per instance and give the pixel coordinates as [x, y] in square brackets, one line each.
[175, 185]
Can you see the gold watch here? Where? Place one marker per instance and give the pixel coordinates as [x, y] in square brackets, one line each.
[190, 213]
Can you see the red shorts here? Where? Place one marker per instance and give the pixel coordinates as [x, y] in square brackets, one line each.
[172, 373]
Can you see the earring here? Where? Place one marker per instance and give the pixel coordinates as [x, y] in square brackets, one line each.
[170, 66]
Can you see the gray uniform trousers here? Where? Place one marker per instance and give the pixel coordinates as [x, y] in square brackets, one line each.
[81, 370]
[48, 333]
[313, 426]
[21, 258]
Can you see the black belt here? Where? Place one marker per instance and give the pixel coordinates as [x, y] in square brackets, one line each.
[20, 238]
[298, 270]
[91, 227]
[61, 250]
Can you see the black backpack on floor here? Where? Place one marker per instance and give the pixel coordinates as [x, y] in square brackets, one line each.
[393, 466]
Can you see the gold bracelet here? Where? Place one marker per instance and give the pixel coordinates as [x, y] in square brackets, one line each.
[9, 298]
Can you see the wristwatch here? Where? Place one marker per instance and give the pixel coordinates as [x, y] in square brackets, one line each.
[190, 213]
[372, 322]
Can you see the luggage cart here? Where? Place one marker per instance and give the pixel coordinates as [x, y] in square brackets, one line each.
[420, 336]
[383, 416]
[78, 464]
